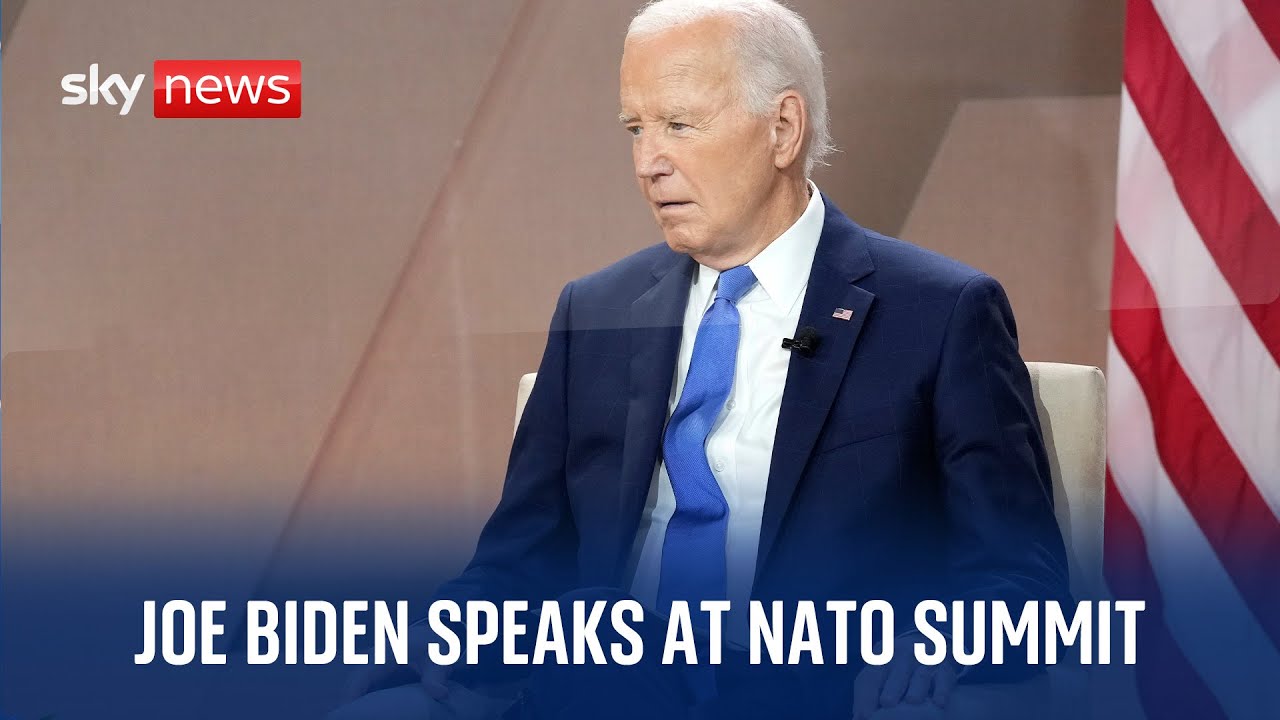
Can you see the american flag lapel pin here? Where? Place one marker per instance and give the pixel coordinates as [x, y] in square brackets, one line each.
[842, 314]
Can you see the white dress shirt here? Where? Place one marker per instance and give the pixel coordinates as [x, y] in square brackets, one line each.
[740, 445]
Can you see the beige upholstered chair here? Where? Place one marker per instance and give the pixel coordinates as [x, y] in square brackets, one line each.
[522, 394]
[1071, 403]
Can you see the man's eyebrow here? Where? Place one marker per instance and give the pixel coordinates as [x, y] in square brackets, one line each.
[671, 113]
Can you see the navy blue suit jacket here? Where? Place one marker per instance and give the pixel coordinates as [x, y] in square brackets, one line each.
[908, 461]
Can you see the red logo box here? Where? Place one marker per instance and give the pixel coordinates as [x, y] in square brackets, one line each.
[227, 88]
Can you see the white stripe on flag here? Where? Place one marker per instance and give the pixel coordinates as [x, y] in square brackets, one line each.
[1215, 343]
[1205, 614]
[1239, 76]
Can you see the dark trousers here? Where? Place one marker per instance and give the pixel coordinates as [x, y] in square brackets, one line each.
[650, 690]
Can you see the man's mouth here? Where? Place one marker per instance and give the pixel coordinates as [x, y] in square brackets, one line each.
[671, 205]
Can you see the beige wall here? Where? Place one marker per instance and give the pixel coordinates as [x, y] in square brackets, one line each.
[310, 330]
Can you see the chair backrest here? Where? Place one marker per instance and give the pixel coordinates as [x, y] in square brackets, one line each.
[522, 394]
[1071, 403]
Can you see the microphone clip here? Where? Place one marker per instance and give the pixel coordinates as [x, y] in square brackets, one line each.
[805, 343]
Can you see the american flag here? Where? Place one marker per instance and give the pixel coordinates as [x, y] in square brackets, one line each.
[1193, 368]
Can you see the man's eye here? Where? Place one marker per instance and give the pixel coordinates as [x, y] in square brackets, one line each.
[679, 127]
[634, 129]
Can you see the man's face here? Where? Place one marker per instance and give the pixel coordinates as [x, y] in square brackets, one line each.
[703, 162]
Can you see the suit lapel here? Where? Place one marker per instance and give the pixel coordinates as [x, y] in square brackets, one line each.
[657, 322]
[841, 259]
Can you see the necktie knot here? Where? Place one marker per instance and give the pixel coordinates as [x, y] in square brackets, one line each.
[735, 282]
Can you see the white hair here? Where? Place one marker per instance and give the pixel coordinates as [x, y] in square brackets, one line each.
[776, 52]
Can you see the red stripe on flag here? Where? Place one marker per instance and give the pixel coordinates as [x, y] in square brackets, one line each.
[1226, 208]
[1266, 15]
[1200, 463]
[1168, 685]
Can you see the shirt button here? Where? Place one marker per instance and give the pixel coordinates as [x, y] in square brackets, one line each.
[731, 404]
[719, 466]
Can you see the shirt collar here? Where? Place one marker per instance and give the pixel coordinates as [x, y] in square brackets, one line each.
[782, 268]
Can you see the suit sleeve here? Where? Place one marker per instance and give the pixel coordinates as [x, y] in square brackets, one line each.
[1003, 542]
[528, 547]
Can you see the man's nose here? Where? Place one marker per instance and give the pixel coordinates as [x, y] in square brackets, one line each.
[651, 158]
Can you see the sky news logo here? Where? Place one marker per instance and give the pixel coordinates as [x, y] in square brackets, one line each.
[198, 88]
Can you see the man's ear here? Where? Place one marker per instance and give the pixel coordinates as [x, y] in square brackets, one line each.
[789, 128]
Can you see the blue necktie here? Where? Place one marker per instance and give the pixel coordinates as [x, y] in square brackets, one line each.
[693, 551]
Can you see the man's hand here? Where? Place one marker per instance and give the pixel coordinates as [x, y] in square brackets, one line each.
[433, 677]
[902, 681]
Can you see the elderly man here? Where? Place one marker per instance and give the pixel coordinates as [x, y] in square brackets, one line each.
[676, 448]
